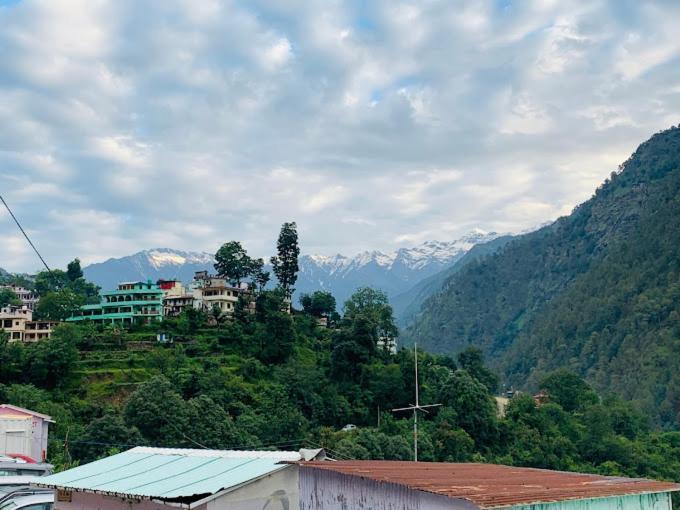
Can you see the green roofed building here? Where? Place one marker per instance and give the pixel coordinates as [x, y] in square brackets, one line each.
[146, 478]
[131, 303]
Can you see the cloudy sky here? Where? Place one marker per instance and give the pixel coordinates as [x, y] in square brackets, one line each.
[130, 124]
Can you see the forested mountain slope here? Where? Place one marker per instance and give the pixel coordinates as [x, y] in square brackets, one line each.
[597, 291]
[408, 304]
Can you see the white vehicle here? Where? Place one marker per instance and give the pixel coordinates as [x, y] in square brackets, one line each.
[9, 492]
[43, 501]
[15, 481]
[18, 467]
[348, 427]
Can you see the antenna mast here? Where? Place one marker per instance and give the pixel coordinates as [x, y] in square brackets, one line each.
[416, 407]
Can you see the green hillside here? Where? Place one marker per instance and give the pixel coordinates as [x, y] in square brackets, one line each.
[597, 291]
[267, 376]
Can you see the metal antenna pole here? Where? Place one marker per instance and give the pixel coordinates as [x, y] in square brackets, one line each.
[415, 356]
[415, 410]
[415, 435]
[416, 407]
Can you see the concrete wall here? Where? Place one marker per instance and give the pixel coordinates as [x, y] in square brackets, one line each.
[87, 501]
[278, 491]
[325, 490]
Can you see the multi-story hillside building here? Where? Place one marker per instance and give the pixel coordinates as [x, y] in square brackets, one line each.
[131, 303]
[176, 297]
[145, 302]
[27, 297]
[18, 323]
[211, 293]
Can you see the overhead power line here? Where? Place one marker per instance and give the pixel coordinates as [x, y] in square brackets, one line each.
[25, 235]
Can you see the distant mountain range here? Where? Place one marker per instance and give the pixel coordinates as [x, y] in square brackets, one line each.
[394, 272]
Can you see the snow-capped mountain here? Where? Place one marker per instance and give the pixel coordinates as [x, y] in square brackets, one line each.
[149, 265]
[394, 272]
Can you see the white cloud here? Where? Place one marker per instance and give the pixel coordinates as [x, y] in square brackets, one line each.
[277, 54]
[125, 125]
[324, 198]
[122, 150]
[525, 116]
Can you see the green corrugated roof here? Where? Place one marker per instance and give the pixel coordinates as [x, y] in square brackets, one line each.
[142, 472]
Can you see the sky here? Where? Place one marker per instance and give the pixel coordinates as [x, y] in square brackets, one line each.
[131, 124]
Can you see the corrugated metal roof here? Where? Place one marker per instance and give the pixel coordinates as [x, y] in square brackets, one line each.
[491, 485]
[169, 474]
[226, 454]
[27, 411]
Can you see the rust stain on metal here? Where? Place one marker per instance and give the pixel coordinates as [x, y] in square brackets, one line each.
[492, 485]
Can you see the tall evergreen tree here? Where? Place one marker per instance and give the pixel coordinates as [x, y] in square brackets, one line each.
[73, 270]
[285, 264]
[258, 274]
[232, 262]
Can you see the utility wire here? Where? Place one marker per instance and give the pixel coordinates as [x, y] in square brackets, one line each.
[25, 235]
[281, 444]
[128, 445]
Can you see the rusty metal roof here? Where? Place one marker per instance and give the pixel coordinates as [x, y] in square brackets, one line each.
[492, 485]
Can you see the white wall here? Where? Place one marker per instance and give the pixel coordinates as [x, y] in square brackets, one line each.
[15, 435]
[277, 491]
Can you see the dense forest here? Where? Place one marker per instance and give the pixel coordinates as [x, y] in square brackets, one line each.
[408, 304]
[597, 292]
[267, 378]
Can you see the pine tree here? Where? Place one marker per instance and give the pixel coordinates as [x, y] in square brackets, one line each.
[232, 262]
[73, 270]
[285, 264]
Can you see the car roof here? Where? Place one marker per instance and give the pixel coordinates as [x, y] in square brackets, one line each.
[13, 464]
[17, 480]
[6, 489]
[47, 497]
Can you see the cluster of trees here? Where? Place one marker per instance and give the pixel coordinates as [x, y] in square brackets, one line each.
[49, 364]
[596, 291]
[233, 263]
[9, 297]
[273, 379]
[61, 292]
